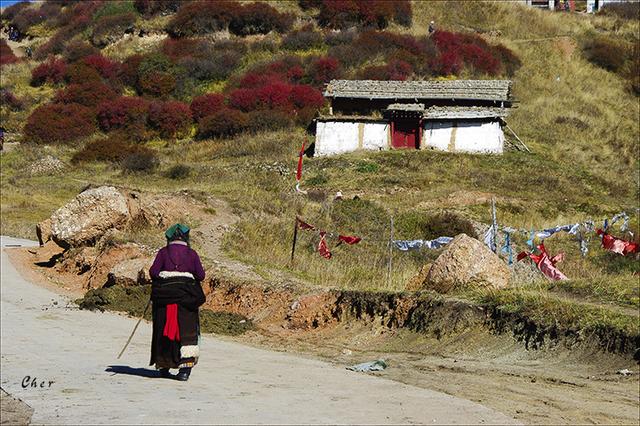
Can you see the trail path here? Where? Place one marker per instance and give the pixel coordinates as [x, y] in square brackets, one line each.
[45, 337]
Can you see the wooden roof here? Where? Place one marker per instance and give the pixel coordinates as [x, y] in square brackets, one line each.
[436, 113]
[486, 90]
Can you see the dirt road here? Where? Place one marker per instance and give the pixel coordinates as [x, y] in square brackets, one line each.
[62, 362]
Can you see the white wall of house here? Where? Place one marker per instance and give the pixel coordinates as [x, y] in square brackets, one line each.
[337, 137]
[463, 136]
[437, 135]
[375, 136]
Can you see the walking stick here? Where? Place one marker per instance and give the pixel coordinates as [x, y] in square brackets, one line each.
[134, 329]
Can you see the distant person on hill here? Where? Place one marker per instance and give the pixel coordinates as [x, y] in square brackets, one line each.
[29, 52]
[176, 295]
[432, 27]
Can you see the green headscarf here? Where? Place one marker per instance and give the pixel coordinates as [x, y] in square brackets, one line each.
[178, 228]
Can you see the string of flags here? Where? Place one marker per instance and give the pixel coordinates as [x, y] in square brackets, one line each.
[323, 246]
[545, 263]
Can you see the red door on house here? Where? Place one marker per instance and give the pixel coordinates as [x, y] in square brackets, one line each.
[406, 134]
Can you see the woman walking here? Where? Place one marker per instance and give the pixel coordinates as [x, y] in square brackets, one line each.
[176, 295]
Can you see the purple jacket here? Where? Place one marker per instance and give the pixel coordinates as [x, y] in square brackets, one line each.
[177, 257]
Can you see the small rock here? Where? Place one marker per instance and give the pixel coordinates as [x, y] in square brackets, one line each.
[48, 252]
[346, 352]
[47, 165]
[625, 372]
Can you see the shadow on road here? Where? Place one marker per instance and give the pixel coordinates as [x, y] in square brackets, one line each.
[125, 369]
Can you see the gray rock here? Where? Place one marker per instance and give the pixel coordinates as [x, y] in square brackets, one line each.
[86, 218]
[43, 231]
[130, 272]
[47, 165]
[467, 261]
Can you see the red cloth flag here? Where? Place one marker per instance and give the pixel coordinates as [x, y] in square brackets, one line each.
[322, 246]
[546, 264]
[305, 226]
[299, 171]
[171, 327]
[349, 239]
[617, 245]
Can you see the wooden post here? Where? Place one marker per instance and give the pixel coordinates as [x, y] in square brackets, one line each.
[390, 255]
[295, 237]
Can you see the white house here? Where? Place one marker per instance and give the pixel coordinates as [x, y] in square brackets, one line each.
[446, 115]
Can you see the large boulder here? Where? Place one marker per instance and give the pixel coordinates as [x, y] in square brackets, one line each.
[88, 216]
[130, 272]
[467, 261]
[43, 231]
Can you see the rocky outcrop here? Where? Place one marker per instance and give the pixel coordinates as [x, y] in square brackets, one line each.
[130, 272]
[466, 261]
[48, 253]
[88, 216]
[47, 165]
[43, 231]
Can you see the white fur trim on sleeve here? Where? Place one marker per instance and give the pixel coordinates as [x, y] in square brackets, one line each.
[173, 274]
[190, 351]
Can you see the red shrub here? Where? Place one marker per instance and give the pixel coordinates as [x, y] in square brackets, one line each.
[54, 46]
[113, 149]
[269, 120]
[6, 54]
[374, 72]
[176, 48]
[259, 18]
[26, 19]
[274, 96]
[303, 96]
[447, 63]
[152, 7]
[224, 123]
[376, 13]
[123, 112]
[110, 28]
[80, 73]
[295, 73]
[338, 13]
[399, 70]
[157, 84]
[456, 50]
[243, 99]
[10, 100]
[202, 17]
[107, 68]
[77, 50]
[403, 14]
[510, 62]
[325, 69]
[129, 70]
[89, 94]
[59, 123]
[480, 59]
[309, 4]
[171, 118]
[205, 105]
[52, 71]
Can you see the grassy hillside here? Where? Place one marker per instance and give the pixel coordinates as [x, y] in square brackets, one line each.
[579, 120]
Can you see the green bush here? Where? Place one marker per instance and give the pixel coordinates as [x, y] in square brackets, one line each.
[179, 171]
[140, 162]
[364, 217]
[418, 225]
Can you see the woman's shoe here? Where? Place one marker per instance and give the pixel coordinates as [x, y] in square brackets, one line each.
[183, 374]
